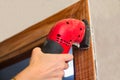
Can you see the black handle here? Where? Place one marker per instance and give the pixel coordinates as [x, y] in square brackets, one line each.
[51, 46]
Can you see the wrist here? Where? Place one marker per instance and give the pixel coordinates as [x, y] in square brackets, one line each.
[24, 75]
[28, 74]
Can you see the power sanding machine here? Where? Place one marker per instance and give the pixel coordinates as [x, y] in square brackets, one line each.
[65, 33]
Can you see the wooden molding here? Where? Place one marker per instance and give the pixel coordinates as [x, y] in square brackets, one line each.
[19, 46]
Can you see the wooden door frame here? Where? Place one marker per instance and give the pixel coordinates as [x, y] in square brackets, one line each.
[19, 46]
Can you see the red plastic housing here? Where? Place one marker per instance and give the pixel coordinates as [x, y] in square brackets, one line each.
[66, 32]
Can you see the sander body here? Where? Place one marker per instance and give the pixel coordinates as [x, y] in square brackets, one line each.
[65, 33]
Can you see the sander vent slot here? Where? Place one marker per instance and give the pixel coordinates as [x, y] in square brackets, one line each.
[60, 40]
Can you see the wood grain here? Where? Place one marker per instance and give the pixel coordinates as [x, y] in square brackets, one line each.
[84, 59]
[19, 46]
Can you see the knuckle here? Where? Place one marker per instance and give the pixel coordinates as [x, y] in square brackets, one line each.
[34, 50]
[61, 67]
[66, 66]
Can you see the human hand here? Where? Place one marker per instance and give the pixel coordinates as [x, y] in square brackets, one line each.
[45, 66]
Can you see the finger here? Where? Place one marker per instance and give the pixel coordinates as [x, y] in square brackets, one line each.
[67, 57]
[36, 52]
[56, 79]
[66, 66]
[61, 74]
[58, 74]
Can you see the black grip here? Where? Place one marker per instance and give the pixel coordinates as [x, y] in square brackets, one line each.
[51, 46]
[86, 40]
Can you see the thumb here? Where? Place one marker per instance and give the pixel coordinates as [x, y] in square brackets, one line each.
[67, 57]
[36, 52]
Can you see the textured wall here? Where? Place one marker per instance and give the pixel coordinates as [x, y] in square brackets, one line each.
[16, 15]
[105, 15]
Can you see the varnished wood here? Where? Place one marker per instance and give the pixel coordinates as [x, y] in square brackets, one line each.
[19, 46]
[84, 59]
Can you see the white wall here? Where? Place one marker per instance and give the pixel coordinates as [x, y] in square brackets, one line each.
[105, 15]
[17, 15]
